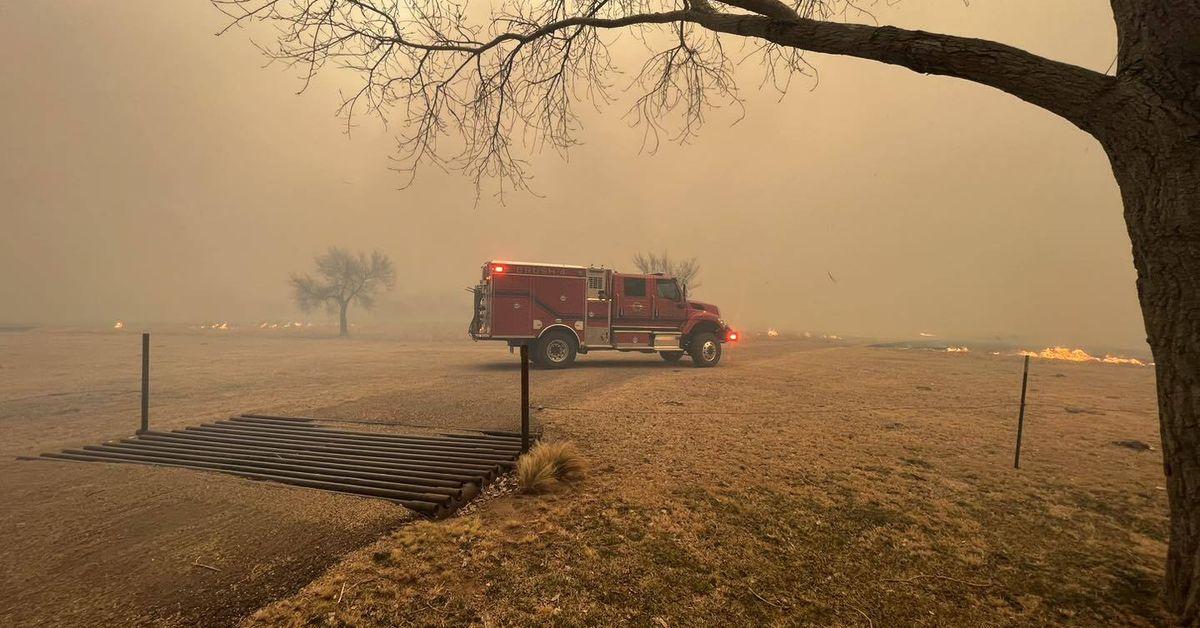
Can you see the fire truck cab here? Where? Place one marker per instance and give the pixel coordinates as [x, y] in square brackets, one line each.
[560, 311]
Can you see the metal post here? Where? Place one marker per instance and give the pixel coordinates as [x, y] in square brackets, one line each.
[145, 382]
[1021, 416]
[524, 398]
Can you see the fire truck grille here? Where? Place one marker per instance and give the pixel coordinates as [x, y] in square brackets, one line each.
[432, 474]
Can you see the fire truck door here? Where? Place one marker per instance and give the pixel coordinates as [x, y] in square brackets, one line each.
[634, 305]
[668, 303]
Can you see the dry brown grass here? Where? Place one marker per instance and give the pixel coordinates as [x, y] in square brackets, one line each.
[547, 465]
[845, 487]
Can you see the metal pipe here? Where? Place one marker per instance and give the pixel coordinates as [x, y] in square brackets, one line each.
[217, 435]
[483, 437]
[216, 440]
[447, 456]
[495, 441]
[427, 507]
[329, 459]
[471, 472]
[434, 486]
[524, 398]
[145, 382]
[400, 490]
[1021, 416]
[431, 443]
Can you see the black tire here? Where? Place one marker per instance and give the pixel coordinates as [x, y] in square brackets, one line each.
[705, 350]
[555, 350]
[671, 356]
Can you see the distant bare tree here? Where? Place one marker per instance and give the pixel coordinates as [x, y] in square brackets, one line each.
[343, 278]
[685, 270]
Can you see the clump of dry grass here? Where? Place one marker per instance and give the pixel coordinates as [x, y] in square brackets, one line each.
[548, 464]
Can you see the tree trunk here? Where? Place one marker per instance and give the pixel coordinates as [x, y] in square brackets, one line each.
[344, 330]
[1157, 165]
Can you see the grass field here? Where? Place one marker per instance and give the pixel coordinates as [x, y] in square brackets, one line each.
[799, 482]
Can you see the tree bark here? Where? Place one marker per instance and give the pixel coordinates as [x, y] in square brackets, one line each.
[344, 329]
[1155, 154]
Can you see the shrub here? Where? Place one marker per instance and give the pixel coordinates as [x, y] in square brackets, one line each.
[548, 464]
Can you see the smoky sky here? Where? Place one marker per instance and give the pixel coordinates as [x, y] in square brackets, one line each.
[152, 171]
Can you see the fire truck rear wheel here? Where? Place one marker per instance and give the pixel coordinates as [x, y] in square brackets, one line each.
[555, 350]
[671, 356]
[705, 350]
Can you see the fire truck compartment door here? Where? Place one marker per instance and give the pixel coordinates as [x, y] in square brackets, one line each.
[597, 323]
[512, 312]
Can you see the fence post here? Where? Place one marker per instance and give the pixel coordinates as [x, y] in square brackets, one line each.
[524, 398]
[145, 382]
[1021, 416]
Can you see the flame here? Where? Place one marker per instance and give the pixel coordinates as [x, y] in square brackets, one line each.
[1079, 355]
[926, 334]
[772, 333]
[1112, 359]
[957, 350]
[119, 325]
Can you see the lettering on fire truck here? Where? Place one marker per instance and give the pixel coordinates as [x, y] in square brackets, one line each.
[561, 311]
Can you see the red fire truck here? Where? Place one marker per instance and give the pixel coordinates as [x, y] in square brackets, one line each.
[561, 311]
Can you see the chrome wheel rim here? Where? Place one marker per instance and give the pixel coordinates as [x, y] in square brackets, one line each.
[557, 350]
[708, 351]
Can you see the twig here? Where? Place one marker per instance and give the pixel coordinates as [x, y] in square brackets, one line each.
[804, 478]
[341, 593]
[913, 580]
[765, 600]
[870, 624]
[200, 564]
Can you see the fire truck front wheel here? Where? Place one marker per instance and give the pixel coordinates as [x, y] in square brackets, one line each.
[705, 350]
[555, 350]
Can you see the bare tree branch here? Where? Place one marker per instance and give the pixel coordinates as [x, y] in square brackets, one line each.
[685, 270]
[478, 91]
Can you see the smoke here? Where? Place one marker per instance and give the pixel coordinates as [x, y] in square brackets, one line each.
[153, 171]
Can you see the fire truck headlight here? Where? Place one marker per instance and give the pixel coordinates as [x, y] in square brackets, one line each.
[732, 336]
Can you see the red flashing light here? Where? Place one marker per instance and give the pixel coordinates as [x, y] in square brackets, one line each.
[497, 269]
[732, 337]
